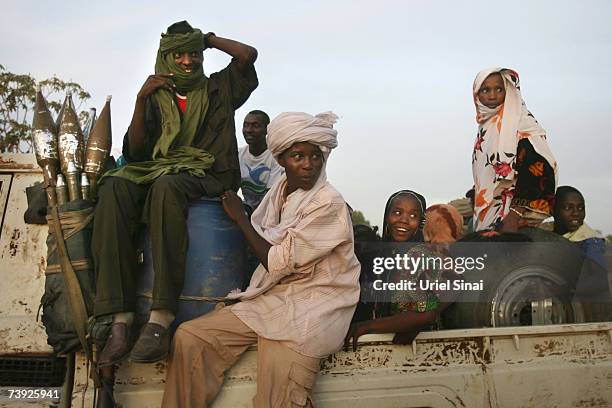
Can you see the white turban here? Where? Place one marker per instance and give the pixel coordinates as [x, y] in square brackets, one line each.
[285, 130]
[294, 127]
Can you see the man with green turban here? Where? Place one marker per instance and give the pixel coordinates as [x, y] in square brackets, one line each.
[181, 145]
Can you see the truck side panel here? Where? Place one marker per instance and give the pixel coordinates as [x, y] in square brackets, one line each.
[538, 366]
[22, 260]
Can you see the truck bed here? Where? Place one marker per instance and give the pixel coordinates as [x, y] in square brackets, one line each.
[537, 366]
[528, 366]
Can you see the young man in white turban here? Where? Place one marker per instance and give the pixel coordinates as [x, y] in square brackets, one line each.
[302, 296]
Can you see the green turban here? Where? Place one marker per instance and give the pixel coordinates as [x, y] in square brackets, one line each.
[164, 64]
[194, 85]
[173, 152]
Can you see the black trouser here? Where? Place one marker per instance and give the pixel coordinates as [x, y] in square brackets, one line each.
[122, 208]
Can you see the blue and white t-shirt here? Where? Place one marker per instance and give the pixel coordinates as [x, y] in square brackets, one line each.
[257, 174]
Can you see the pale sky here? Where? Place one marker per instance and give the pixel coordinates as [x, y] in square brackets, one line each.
[398, 73]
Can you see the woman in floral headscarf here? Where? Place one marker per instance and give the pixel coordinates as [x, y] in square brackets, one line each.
[514, 169]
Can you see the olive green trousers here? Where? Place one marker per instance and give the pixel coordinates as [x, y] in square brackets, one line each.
[123, 208]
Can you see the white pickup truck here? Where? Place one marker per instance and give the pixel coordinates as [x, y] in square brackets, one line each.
[554, 365]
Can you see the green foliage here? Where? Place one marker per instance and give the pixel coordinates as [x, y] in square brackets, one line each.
[358, 218]
[17, 97]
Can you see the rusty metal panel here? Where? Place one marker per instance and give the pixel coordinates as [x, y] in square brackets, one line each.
[387, 383]
[565, 365]
[22, 264]
[451, 368]
[440, 375]
[562, 369]
[15, 162]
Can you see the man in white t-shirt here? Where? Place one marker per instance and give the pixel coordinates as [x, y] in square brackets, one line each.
[258, 169]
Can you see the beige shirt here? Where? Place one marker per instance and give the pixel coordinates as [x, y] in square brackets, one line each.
[311, 306]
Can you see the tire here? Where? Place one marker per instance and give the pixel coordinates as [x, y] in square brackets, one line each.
[524, 283]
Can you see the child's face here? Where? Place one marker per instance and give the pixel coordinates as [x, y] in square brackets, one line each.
[570, 212]
[404, 218]
[493, 91]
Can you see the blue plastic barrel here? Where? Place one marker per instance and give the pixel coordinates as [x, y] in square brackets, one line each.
[216, 262]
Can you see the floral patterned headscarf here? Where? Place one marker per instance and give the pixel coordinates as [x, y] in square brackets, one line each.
[494, 156]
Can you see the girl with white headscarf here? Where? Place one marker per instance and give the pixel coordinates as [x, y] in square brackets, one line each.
[514, 169]
[301, 298]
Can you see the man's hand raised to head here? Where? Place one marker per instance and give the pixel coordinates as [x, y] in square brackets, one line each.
[245, 55]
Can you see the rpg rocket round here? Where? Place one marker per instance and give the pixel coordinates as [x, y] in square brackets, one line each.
[70, 138]
[44, 138]
[98, 146]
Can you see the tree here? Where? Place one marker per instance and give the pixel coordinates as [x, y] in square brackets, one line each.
[17, 97]
[358, 218]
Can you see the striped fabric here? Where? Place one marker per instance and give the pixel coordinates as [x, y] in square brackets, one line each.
[311, 306]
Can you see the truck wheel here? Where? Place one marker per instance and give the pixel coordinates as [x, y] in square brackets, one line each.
[529, 283]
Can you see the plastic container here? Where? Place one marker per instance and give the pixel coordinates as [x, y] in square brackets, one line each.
[216, 262]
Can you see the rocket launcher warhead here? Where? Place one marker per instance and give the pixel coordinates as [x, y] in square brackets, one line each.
[98, 146]
[70, 138]
[89, 124]
[44, 138]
